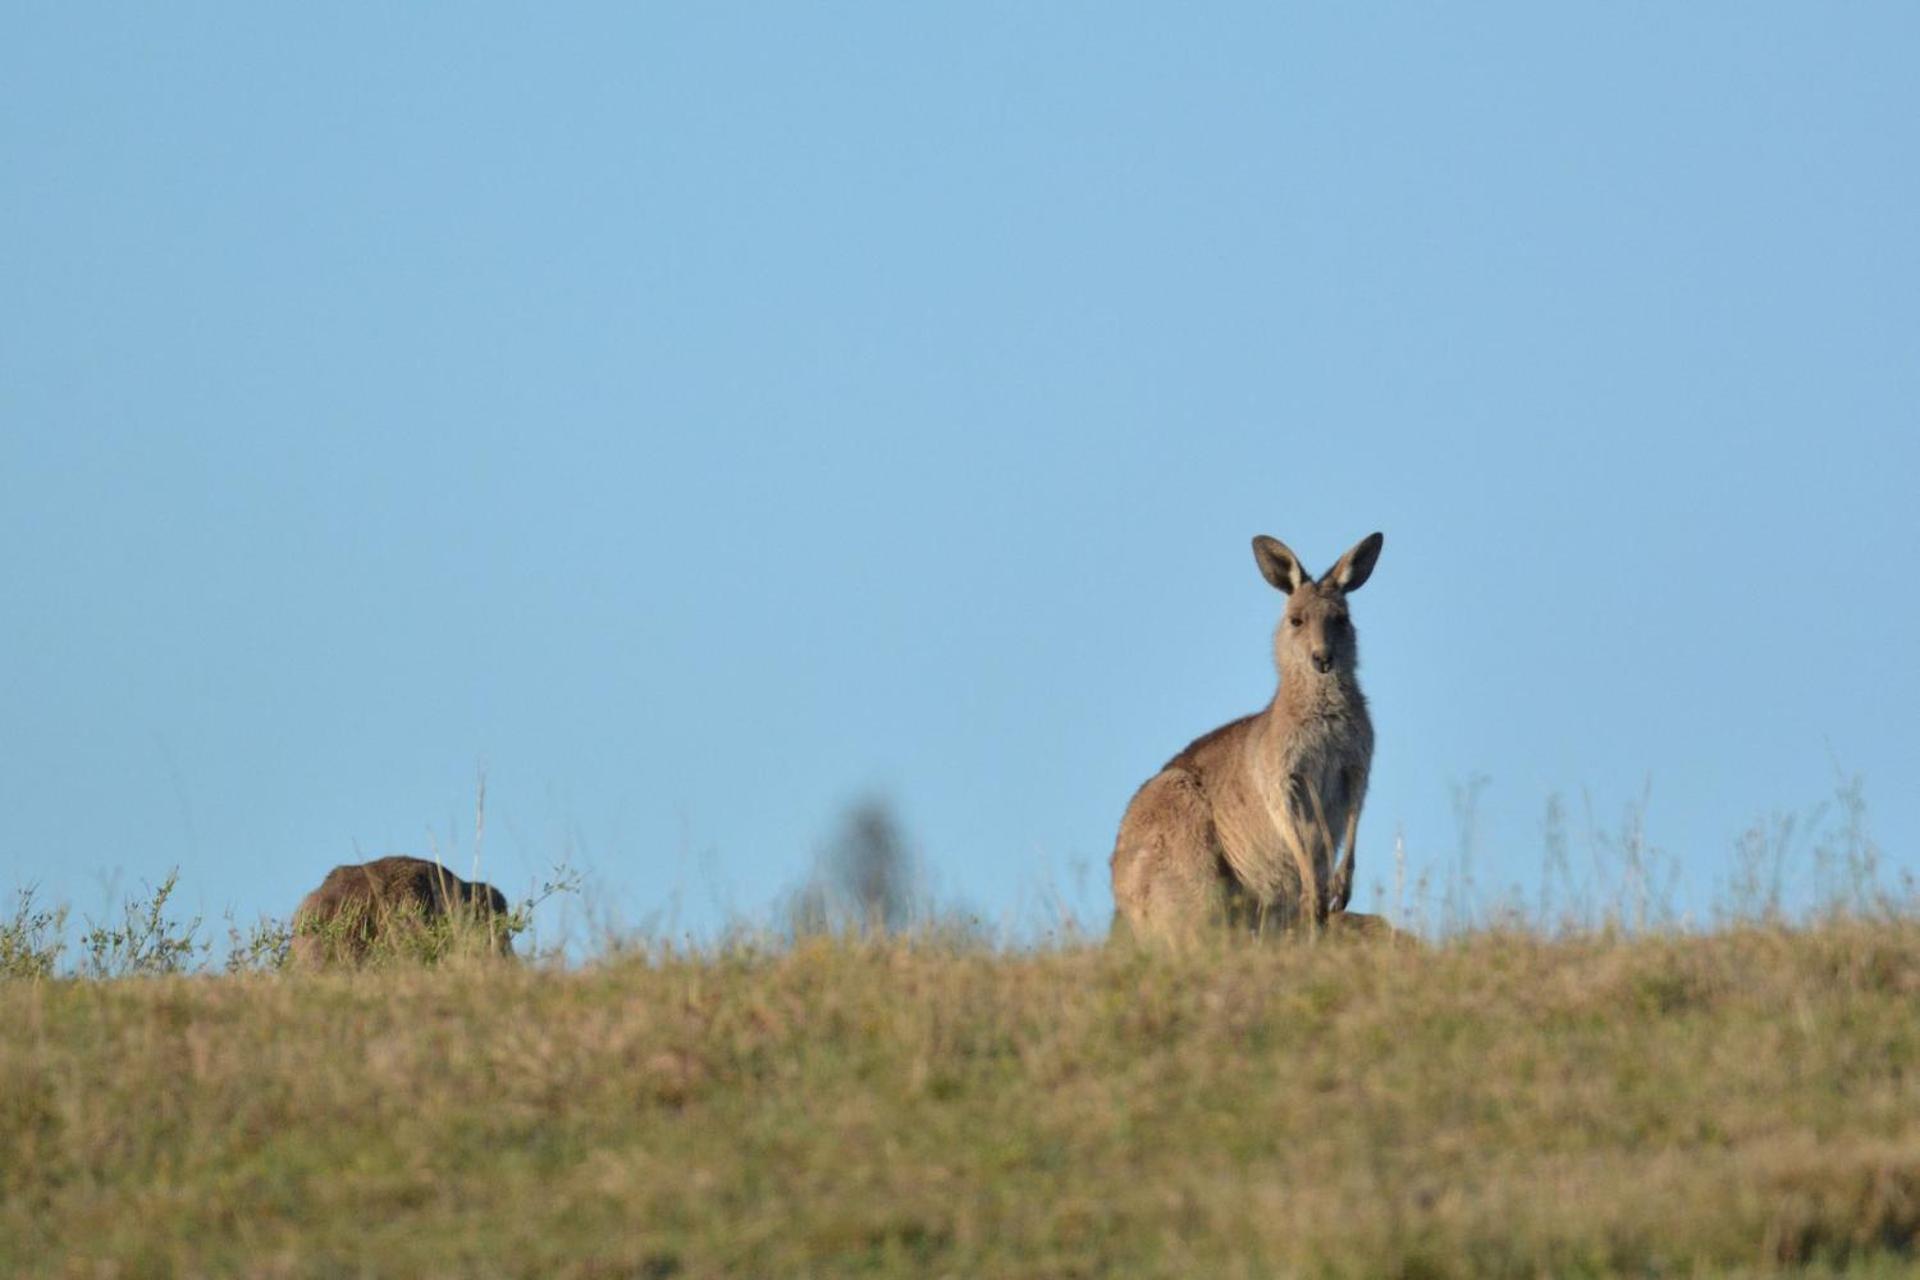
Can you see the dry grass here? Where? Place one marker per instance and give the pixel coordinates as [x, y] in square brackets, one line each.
[1499, 1105]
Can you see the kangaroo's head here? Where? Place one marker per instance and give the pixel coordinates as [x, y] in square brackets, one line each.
[490, 911]
[1315, 635]
[478, 902]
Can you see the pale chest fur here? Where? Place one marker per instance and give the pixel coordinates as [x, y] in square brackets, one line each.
[1324, 748]
[1303, 774]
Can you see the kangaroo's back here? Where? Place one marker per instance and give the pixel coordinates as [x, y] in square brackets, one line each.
[357, 904]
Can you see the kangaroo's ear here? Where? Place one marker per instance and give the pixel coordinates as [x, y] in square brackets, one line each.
[1278, 565]
[1355, 567]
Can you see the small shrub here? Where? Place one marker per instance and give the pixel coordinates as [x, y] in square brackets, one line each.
[265, 946]
[31, 942]
[145, 942]
[562, 880]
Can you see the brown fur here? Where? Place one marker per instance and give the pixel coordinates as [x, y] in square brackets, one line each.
[1254, 824]
[364, 903]
[1360, 925]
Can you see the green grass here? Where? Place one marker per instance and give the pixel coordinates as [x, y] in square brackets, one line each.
[1498, 1105]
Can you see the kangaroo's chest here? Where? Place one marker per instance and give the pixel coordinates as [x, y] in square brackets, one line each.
[1324, 750]
[1281, 807]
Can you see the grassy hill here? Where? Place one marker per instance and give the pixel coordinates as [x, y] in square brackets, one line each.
[1497, 1105]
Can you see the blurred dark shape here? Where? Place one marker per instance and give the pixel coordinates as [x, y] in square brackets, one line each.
[867, 879]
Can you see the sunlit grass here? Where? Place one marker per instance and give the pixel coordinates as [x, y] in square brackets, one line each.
[1501, 1104]
[1591, 1087]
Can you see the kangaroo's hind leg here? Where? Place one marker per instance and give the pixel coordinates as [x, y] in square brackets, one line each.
[1167, 879]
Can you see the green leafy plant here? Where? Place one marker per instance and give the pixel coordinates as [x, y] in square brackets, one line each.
[145, 942]
[264, 946]
[31, 942]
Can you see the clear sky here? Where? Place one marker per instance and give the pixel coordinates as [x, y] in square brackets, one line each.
[703, 416]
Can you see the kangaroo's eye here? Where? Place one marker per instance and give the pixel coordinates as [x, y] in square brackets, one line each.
[1297, 620]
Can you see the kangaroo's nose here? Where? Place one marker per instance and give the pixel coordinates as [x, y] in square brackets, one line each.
[1322, 661]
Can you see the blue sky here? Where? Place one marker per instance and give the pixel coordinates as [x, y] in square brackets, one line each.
[704, 416]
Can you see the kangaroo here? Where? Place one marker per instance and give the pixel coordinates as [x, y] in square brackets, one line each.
[1240, 828]
[359, 905]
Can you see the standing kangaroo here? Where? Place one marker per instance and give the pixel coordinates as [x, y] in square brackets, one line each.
[1241, 826]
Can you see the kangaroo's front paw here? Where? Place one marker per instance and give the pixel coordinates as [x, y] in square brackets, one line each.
[1338, 894]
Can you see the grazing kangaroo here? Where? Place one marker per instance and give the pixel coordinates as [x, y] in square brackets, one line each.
[1241, 827]
[359, 905]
